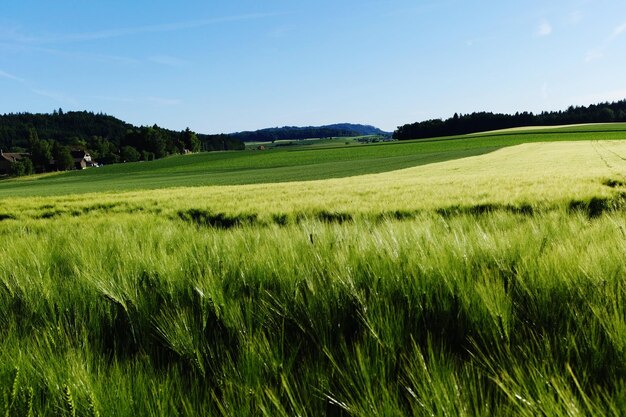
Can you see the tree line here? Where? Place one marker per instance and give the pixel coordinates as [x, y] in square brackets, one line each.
[52, 137]
[461, 124]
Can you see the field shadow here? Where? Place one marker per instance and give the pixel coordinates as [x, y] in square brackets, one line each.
[217, 220]
[487, 208]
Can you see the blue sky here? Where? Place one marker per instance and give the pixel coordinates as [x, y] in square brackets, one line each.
[224, 66]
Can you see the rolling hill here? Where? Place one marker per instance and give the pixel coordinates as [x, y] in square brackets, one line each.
[295, 133]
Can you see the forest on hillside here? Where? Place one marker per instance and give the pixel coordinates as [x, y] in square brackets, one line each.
[308, 132]
[52, 137]
[461, 124]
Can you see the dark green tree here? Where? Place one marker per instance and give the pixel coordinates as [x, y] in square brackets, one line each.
[33, 137]
[190, 140]
[63, 159]
[41, 153]
[606, 115]
[22, 167]
[154, 141]
[147, 156]
[130, 154]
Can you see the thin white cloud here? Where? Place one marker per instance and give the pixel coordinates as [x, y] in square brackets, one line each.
[281, 31]
[544, 29]
[161, 101]
[129, 31]
[158, 101]
[116, 99]
[420, 9]
[575, 17]
[56, 96]
[170, 61]
[599, 52]
[470, 42]
[594, 55]
[93, 57]
[618, 31]
[80, 56]
[4, 74]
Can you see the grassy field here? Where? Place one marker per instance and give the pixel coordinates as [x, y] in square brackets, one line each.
[538, 175]
[283, 165]
[490, 284]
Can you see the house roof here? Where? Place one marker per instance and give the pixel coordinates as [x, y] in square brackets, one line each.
[79, 154]
[12, 156]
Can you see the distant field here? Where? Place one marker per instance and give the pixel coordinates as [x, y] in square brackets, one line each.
[320, 160]
[548, 174]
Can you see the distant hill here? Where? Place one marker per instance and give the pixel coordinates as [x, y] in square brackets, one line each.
[15, 128]
[308, 132]
[362, 130]
[72, 128]
[51, 138]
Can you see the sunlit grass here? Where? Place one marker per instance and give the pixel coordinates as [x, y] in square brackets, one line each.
[467, 315]
[539, 175]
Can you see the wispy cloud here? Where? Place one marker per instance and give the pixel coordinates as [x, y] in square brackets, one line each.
[155, 101]
[4, 74]
[92, 57]
[419, 9]
[15, 36]
[474, 41]
[79, 56]
[116, 99]
[594, 55]
[599, 52]
[56, 96]
[167, 60]
[618, 31]
[575, 17]
[162, 101]
[544, 29]
[281, 31]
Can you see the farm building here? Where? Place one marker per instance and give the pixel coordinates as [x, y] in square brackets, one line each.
[6, 158]
[82, 159]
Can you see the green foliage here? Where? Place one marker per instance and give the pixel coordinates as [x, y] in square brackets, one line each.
[147, 156]
[62, 127]
[154, 141]
[102, 135]
[190, 141]
[130, 154]
[21, 167]
[301, 133]
[41, 151]
[62, 156]
[220, 142]
[103, 150]
[485, 121]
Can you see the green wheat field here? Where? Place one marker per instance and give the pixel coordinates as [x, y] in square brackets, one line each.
[481, 275]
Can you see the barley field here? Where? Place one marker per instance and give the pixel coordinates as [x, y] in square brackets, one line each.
[491, 284]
